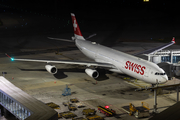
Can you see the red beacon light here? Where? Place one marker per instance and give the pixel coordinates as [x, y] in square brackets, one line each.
[107, 106]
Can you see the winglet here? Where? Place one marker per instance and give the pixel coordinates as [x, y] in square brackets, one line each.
[173, 40]
[12, 59]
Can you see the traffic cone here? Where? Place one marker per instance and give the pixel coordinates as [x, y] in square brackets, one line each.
[55, 81]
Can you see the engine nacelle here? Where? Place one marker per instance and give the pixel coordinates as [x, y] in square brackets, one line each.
[92, 73]
[51, 69]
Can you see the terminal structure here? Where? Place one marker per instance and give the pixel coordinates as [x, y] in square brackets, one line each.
[171, 56]
[169, 60]
[23, 106]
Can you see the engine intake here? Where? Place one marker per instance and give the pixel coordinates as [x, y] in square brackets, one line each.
[51, 69]
[92, 73]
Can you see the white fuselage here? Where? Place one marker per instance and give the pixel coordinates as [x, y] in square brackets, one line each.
[124, 63]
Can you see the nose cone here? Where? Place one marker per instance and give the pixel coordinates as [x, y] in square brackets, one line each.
[164, 79]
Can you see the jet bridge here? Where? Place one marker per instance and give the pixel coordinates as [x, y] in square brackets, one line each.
[22, 105]
[169, 60]
[171, 56]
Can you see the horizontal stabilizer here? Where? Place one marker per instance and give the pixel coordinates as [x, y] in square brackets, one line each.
[60, 39]
[91, 36]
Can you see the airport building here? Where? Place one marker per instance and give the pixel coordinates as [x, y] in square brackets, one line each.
[171, 56]
[169, 60]
[23, 106]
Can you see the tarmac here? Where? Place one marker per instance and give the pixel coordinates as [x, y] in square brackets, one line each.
[115, 90]
[21, 40]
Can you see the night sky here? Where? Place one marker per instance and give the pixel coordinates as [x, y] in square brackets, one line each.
[58, 7]
[112, 20]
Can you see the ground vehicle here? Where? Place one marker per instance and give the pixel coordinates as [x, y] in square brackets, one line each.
[71, 107]
[106, 111]
[95, 117]
[66, 103]
[53, 105]
[89, 111]
[67, 115]
[74, 100]
[80, 105]
[79, 118]
[138, 112]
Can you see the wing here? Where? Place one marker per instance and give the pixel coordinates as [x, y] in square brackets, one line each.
[61, 39]
[86, 63]
[156, 49]
[67, 40]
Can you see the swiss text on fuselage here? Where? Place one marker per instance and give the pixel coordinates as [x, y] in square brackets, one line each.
[139, 69]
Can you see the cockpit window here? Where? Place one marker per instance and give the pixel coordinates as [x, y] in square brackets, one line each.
[159, 73]
[162, 73]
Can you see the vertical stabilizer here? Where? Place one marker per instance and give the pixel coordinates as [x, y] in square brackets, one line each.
[173, 40]
[77, 31]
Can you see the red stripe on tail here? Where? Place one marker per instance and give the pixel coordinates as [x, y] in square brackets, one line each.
[75, 25]
[173, 40]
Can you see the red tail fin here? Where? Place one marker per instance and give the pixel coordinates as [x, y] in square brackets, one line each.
[77, 31]
[173, 40]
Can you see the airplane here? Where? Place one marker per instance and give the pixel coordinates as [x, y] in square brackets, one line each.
[108, 58]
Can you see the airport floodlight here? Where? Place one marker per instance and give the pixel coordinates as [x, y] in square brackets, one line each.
[145, 0]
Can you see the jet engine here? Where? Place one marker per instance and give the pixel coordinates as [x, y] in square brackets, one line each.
[92, 73]
[51, 69]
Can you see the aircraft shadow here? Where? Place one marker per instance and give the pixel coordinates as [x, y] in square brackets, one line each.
[32, 69]
[60, 73]
[102, 75]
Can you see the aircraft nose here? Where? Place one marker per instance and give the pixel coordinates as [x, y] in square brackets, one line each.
[164, 79]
